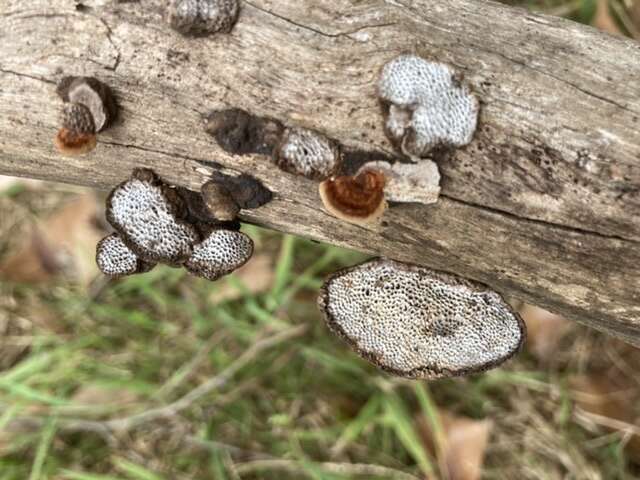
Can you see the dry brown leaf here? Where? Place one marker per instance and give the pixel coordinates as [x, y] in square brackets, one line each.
[603, 19]
[544, 330]
[64, 243]
[257, 275]
[601, 395]
[462, 449]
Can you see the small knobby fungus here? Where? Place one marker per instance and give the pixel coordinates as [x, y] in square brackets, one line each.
[308, 153]
[115, 259]
[219, 202]
[222, 252]
[427, 107]
[358, 199]
[149, 217]
[418, 323]
[409, 182]
[203, 17]
[94, 95]
[246, 191]
[241, 133]
[78, 134]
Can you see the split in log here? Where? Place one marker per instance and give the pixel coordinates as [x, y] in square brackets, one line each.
[543, 205]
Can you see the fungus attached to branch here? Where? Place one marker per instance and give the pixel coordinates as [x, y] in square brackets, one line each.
[240, 133]
[78, 134]
[94, 95]
[308, 153]
[427, 107]
[358, 199]
[246, 191]
[409, 182]
[203, 17]
[222, 252]
[115, 259]
[219, 202]
[418, 323]
[148, 215]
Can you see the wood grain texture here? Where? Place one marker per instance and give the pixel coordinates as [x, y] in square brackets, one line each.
[543, 205]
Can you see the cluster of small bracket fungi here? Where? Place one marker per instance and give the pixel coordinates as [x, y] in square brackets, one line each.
[405, 319]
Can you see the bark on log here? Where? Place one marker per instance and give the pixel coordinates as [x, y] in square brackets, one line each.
[543, 205]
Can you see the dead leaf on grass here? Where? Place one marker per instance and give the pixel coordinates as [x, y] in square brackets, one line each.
[256, 275]
[544, 330]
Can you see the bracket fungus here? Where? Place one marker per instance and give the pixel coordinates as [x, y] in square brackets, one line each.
[308, 153]
[148, 215]
[427, 107]
[358, 199]
[408, 182]
[222, 252]
[89, 108]
[203, 17]
[115, 259]
[418, 323]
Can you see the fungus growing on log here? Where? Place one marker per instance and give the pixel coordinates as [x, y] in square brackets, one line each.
[358, 199]
[426, 106]
[203, 17]
[418, 323]
[246, 191]
[409, 182]
[308, 153]
[219, 202]
[78, 134]
[115, 259]
[241, 133]
[148, 216]
[222, 252]
[94, 95]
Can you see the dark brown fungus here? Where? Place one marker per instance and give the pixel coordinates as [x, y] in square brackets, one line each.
[94, 95]
[239, 133]
[149, 217]
[246, 191]
[359, 199]
[419, 323]
[115, 259]
[219, 202]
[203, 17]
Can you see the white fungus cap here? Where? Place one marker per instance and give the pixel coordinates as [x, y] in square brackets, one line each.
[428, 106]
[308, 153]
[409, 182]
[222, 252]
[115, 259]
[418, 323]
[142, 212]
[203, 16]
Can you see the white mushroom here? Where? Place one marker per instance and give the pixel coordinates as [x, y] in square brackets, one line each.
[222, 252]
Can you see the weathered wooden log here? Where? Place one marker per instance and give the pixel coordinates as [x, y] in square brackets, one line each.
[543, 205]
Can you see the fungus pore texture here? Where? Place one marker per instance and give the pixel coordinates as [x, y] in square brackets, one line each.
[308, 153]
[146, 214]
[222, 252]
[426, 106]
[419, 323]
[114, 258]
[94, 95]
[201, 17]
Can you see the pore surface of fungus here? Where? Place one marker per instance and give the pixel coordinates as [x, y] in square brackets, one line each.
[78, 134]
[426, 106]
[409, 182]
[358, 199]
[222, 252]
[418, 323]
[202, 17]
[147, 214]
[308, 153]
[115, 259]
